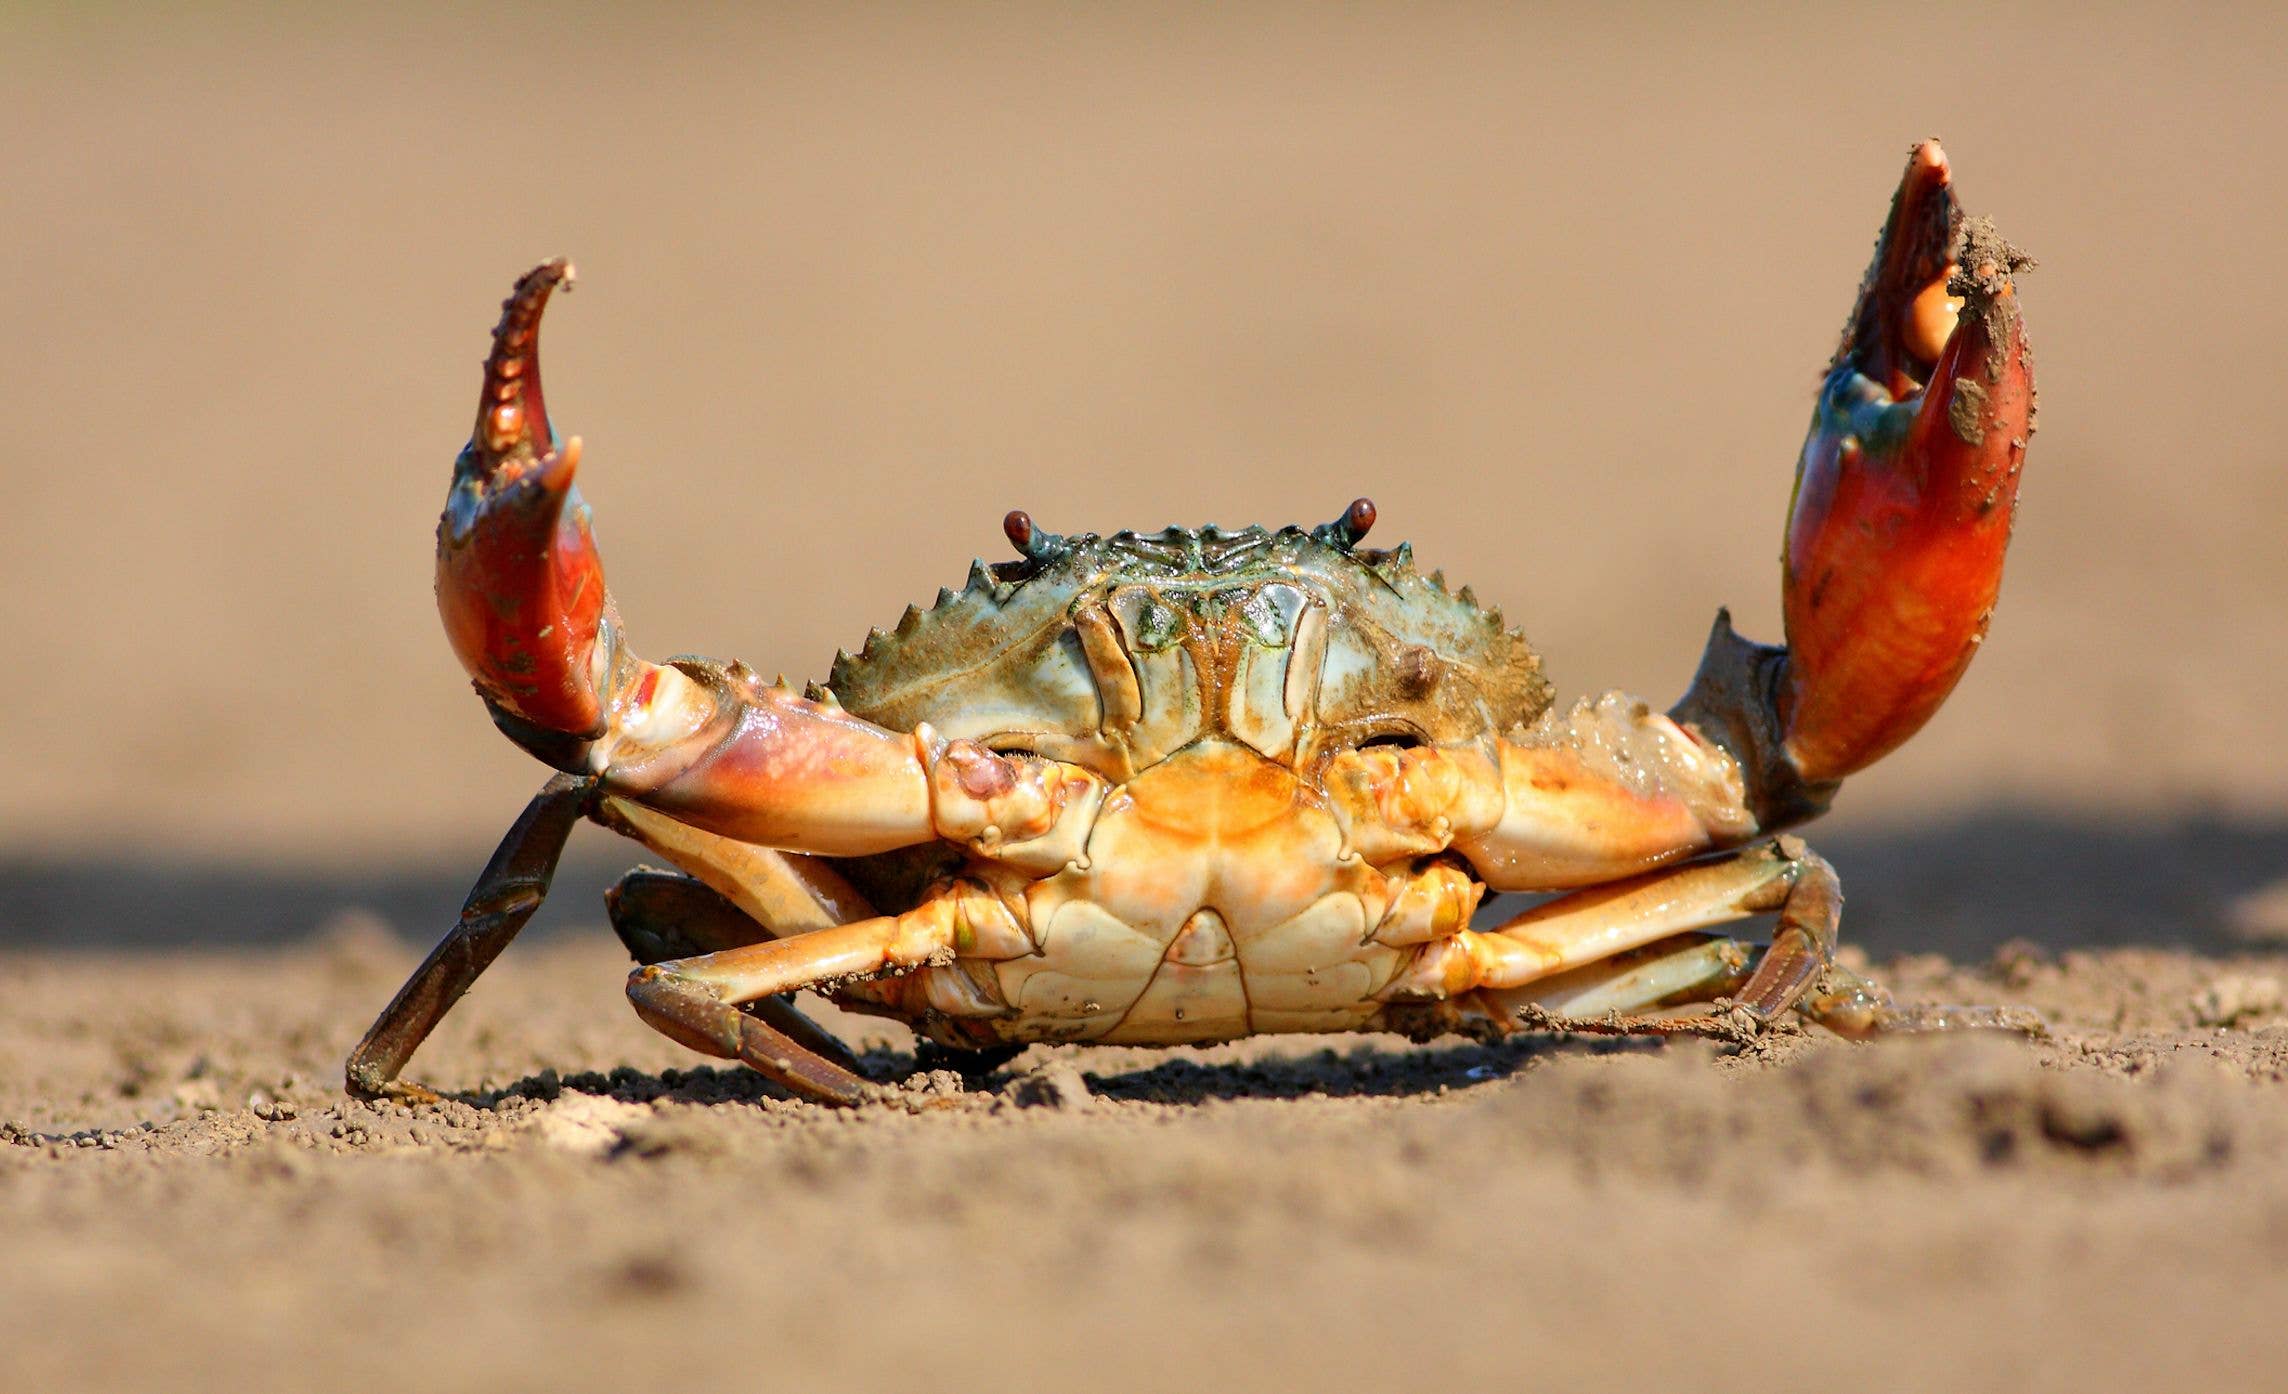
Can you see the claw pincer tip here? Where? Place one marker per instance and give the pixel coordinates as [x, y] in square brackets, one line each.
[511, 413]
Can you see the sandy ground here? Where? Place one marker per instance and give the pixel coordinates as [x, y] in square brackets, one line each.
[188, 1199]
[1551, 285]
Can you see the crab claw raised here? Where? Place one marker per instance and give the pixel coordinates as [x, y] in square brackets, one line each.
[518, 581]
[1907, 485]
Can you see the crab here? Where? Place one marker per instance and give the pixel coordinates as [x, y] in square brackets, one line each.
[1192, 785]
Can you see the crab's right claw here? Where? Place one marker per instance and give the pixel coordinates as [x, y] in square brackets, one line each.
[518, 581]
[1907, 485]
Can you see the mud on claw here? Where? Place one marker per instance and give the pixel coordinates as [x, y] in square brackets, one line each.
[1190, 785]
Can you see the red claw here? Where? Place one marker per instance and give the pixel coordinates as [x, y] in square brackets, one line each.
[1907, 485]
[519, 584]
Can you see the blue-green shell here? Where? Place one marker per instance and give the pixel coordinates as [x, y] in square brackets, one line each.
[1003, 660]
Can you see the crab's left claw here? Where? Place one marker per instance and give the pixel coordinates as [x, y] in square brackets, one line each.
[519, 584]
[1907, 484]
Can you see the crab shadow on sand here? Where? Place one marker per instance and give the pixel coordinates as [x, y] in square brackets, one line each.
[1363, 1070]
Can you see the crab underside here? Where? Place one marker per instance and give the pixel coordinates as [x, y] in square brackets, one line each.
[1199, 784]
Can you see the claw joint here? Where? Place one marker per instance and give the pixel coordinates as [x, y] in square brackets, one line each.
[1733, 703]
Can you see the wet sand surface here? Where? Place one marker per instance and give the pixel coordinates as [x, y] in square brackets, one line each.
[1553, 288]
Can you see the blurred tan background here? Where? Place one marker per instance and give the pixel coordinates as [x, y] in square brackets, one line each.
[1552, 285]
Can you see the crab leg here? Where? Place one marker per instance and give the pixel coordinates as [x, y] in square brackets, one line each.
[1606, 998]
[696, 1000]
[661, 915]
[1599, 800]
[1687, 967]
[759, 893]
[1588, 926]
[1588, 960]
[1582, 798]
[1907, 485]
[736, 894]
[521, 591]
[514, 883]
[780, 893]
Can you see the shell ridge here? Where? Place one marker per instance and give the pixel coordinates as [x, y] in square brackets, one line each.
[987, 648]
